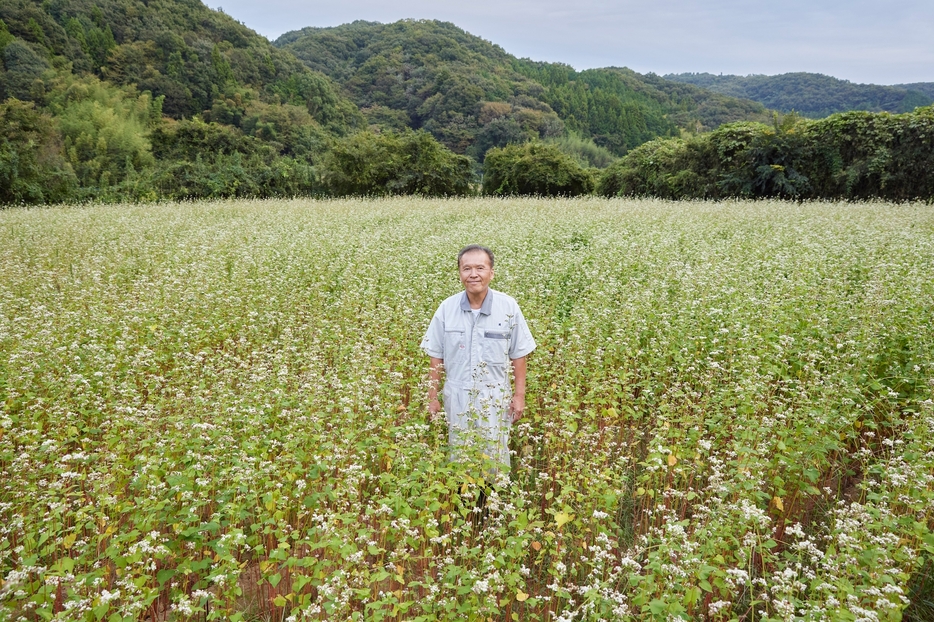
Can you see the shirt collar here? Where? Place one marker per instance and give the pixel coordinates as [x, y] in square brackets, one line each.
[486, 308]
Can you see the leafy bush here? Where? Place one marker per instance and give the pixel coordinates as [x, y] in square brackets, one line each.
[857, 155]
[390, 163]
[534, 168]
[233, 175]
[585, 151]
[854, 155]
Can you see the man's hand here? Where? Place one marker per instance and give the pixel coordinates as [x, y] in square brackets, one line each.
[434, 407]
[517, 404]
[516, 407]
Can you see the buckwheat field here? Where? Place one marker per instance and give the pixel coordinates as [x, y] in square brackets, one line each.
[216, 411]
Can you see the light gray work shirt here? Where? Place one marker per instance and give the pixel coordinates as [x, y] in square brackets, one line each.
[476, 348]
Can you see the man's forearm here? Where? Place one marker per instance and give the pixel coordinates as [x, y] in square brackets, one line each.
[434, 378]
[518, 376]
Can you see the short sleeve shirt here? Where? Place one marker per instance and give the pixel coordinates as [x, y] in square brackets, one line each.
[476, 348]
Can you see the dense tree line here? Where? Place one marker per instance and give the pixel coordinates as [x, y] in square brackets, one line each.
[852, 155]
[813, 95]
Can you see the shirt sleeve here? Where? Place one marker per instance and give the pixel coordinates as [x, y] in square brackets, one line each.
[433, 341]
[522, 342]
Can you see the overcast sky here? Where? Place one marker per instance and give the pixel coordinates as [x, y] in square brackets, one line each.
[865, 41]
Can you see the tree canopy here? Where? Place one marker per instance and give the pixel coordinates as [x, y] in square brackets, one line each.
[851, 155]
[812, 94]
[118, 78]
[473, 96]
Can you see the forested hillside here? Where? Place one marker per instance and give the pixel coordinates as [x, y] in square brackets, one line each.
[813, 95]
[473, 96]
[112, 99]
[921, 87]
[142, 100]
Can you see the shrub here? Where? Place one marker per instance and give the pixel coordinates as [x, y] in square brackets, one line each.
[392, 163]
[534, 168]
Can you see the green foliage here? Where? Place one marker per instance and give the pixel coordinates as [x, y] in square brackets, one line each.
[210, 160]
[233, 174]
[925, 88]
[428, 75]
[606, 104]
[472, 96]
[391, 163]
[757, 161]
[5, 37]
[534, 168]
[811, 94]
[254, 120]
[855, 155]
[23, 73]
[104, 130]
[664, 168]
[187, 140]
[584, 150]
[108, 70]
[32, 166]
[319, 96]
[181, 50]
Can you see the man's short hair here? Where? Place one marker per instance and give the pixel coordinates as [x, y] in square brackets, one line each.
[474, 247]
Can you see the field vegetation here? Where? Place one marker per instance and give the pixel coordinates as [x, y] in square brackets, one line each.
[216, 411]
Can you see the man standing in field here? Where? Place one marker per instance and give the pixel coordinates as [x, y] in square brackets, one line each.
[474, 337]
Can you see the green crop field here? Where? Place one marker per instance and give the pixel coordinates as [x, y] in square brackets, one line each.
[217, 411]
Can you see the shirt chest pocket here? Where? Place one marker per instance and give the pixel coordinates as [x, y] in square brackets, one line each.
[455, 344]
[494, 345]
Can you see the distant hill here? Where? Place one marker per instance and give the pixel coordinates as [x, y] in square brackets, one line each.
[472, 95]
[812, 94]
[921, 87]
[178, 49]
[129, 99]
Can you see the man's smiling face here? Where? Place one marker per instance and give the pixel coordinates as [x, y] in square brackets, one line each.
[476, 272]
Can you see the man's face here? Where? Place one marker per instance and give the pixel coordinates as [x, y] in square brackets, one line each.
[476, 272]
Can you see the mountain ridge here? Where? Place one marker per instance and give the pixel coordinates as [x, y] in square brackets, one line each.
[813, 95]
[473, 95]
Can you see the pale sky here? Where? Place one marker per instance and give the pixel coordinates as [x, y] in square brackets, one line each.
[864, 41]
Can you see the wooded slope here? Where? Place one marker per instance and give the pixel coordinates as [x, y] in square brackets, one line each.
[813, 95]
[472, 95]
